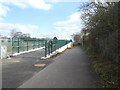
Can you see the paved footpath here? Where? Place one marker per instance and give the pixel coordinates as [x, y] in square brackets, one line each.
[72, 69]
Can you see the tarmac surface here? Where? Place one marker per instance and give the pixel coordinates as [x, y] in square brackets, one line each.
[16, 70]
[72, 69]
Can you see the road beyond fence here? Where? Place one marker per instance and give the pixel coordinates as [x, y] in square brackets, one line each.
[16, 70]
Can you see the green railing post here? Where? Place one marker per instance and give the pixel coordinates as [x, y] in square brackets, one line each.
[48, 47]
[12, 45]
[18, 46]
[38, 43]
[56, 41]
[27, 45]
[45, 48]
[51, 46]
[33, 44]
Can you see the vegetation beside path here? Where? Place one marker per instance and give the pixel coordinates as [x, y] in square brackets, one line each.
[106, 69]
[100, 40]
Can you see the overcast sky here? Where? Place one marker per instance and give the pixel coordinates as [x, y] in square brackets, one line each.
[41, 18]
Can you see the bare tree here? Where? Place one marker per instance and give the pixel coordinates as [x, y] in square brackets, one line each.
[17, 34]
[12, 33]
[0, 35]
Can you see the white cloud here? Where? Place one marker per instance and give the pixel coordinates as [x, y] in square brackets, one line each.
[56, 1]
[38, 4]
[33, 30]
[81, 0]
[64, 29]
[3, 11]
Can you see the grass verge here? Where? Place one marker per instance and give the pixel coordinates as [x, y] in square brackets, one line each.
[107, 70]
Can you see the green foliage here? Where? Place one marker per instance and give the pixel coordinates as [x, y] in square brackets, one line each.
[103, 25]
[77, 39]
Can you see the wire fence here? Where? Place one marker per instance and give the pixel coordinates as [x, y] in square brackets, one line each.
[20, 45]
[11, 46]
[53, 45]
[16, 45]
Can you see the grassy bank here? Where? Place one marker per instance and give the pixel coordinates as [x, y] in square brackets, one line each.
[106, 69]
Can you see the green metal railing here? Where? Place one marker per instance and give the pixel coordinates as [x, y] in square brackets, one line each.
[17, 45]
[22, 44]
[51, 45]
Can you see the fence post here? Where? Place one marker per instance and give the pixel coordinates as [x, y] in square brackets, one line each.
[55, 45]
[51, 46]
[12, 45]
[38, 43]
[33, 44]
[45, 48]
[18, 46]
[27, 45]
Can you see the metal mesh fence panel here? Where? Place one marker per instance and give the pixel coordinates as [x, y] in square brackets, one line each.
[51, 45]
[10, 46]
